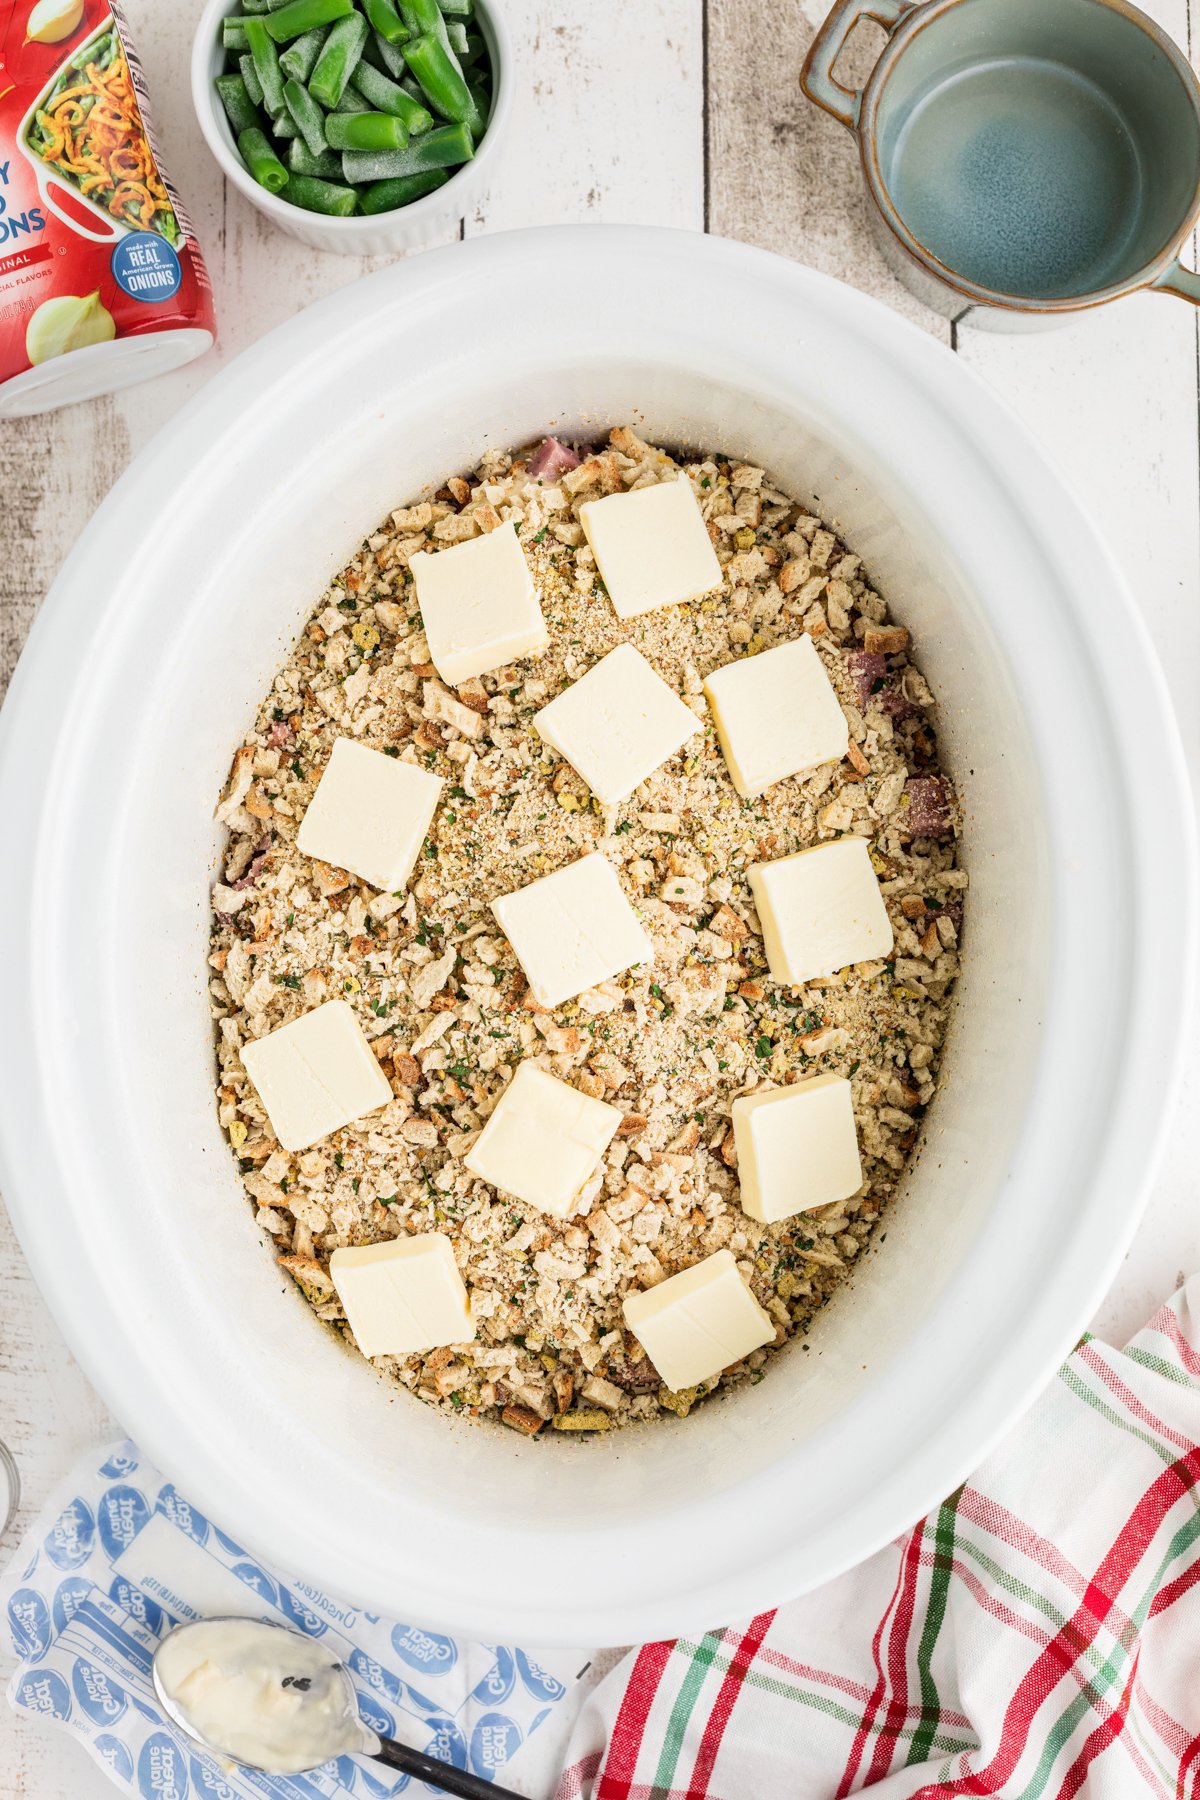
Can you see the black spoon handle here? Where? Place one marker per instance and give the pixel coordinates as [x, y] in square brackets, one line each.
[440, 1774]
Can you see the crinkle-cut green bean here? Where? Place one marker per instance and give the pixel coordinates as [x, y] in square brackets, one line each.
[424, 18]
[385, 57]
[307, 114]
[298, 59]
[441, 148]
[301, 161]
[261, 160]
[240, 109]
[233, 36]
[386, 196]
[441, 80]
[386, 20]
[299, 16]
[266, 64]
[250, 79]
[481, 100]
[387, 96]
[366, 131]
[417, 15]
[338, 60]
[319, 196]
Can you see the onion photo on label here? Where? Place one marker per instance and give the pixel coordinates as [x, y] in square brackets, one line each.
[52, 21]
[70, 322]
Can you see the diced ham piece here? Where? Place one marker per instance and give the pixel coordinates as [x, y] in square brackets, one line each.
[253, 868]
[635, 1377]
[279, 734]
[953, 910]
[930, 809]
[875, 685]
[865, 670]
[552, 459]
[893, 701]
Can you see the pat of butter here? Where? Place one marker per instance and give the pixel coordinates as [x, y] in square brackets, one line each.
[821, 910]
[616, 724]
[572, 929]
[478, 605]
[315, 1075]
[369, 814]
[543, 1141]
[404, 1295]
[695, 1324]
[651, 546]
[796, 1148]
[776, 715]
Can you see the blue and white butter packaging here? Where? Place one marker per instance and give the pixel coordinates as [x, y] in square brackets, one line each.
[119, 1556]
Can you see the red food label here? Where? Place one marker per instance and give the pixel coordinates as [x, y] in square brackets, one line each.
[95, 245]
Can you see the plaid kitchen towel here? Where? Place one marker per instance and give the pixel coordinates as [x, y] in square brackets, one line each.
[1037, 1635]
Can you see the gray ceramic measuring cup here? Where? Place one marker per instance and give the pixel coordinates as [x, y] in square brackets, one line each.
[1026, 159]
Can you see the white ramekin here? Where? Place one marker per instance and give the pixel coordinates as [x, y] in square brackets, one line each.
[414, 227]
[144, 670]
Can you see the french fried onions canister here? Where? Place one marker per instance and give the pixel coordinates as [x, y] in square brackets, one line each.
[101, 279]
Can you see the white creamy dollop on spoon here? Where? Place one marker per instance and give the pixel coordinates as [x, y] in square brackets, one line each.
[260, 1695]
[274, 1700]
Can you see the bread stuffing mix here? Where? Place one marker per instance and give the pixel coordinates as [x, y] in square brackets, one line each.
[101, 279]
[558, 1208]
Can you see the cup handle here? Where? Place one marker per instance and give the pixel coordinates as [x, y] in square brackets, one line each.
[1175, 279]
[817, 78]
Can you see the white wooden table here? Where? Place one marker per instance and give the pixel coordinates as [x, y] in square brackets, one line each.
[679, 112]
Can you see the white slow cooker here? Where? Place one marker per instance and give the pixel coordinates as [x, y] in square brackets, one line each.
[140, 678]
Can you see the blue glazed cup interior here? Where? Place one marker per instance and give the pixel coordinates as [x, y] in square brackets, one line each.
[1043, 151]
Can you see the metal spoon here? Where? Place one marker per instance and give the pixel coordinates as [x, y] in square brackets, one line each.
[285, 1676]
